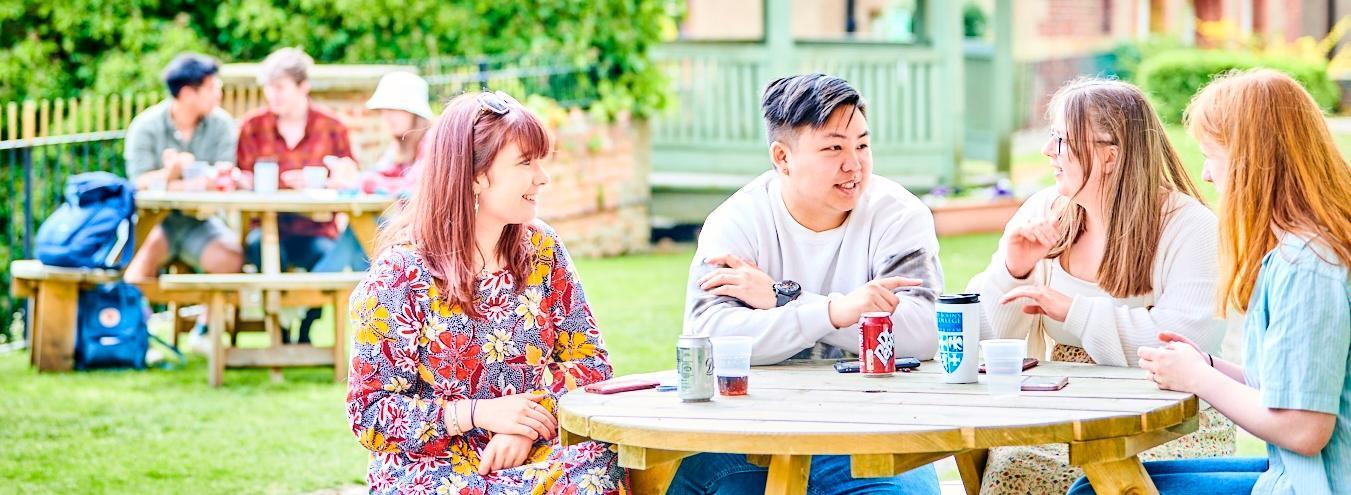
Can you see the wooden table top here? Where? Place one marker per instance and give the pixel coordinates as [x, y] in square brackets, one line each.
[285, 201]
[807, 409]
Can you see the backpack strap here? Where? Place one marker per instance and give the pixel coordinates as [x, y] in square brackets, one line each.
[165, 364]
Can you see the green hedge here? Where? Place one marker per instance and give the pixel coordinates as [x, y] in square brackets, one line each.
[1171, 78]
[69, 47]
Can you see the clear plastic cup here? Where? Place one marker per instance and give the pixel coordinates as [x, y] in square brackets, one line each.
[1004, 365]
[732, 364]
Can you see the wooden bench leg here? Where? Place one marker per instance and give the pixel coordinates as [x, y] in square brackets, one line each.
[54, 321]
[340, 344]
[788, 475]
[971, 466]
[34, 331]
[215, 334]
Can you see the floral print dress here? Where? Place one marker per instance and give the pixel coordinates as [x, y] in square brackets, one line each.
[414, 354]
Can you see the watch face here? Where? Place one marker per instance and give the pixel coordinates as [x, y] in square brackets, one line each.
[789, 287]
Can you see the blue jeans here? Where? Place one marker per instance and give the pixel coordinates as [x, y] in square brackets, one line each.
[297, 251]
[346, 254]
[731, 474]
[1216, 475]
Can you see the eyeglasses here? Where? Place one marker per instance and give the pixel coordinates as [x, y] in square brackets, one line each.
[1060, 142]
[496, 102]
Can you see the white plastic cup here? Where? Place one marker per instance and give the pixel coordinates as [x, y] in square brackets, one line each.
[265, 176]
[315, 177]
[195, 176]
[732, 364]
[1004, 365]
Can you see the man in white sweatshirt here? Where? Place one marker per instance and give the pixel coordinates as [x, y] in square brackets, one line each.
[795, 257]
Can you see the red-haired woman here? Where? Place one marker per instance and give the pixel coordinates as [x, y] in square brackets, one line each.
[472, 322]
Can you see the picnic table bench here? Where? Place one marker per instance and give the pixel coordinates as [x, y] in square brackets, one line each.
[294, 289]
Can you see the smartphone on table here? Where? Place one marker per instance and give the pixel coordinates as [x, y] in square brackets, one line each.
[852, 365]
[1028, 363]
[1044, 383]
[621, 385]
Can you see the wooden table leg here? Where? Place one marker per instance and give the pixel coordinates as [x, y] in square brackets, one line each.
[215, 334]
[146, 221]
[340, 343]
[971, 466]
[654, 480]
[55, 321]
[364, 226]
[271, 244]
[788, 475]
[1120, 476]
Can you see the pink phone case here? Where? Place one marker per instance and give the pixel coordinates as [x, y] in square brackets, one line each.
[617, 386]
[1039, 383]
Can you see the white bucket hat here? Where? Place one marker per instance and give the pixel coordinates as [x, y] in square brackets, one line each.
[401, 91]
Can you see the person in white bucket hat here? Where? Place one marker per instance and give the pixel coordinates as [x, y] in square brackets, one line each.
[401, 98]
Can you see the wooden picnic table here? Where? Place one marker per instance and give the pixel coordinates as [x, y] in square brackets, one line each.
[890, 425]
[276, 286]
[362, 211]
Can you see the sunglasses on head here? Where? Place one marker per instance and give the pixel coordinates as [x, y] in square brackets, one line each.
[496, 102]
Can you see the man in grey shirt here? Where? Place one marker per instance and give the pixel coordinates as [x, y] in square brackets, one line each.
[165, 140]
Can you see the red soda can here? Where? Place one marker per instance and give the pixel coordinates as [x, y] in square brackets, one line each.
[876, 345]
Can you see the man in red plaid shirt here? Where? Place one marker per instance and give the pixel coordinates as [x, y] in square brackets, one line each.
[295, 134]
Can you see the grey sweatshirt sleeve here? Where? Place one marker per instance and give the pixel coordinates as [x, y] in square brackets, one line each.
[908, 248]
[777, 333]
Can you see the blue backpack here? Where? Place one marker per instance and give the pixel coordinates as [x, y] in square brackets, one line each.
[111, 330]
[93, 228]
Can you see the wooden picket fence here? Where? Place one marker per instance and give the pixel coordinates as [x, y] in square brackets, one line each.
[62, 117]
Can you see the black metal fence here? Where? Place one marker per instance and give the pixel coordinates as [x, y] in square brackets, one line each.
[568, 84]
[35, 172]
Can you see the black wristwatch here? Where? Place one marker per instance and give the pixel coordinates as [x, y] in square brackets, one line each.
[785, 292]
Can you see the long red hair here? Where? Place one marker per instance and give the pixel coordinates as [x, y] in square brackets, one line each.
[439, 218]
[1285, 171]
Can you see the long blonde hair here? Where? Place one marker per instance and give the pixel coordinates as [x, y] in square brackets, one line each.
[1136, 194]
[1285, 171]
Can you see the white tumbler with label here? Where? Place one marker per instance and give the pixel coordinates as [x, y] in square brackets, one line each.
[959, 337]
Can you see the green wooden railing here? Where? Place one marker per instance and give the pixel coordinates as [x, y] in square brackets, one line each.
[717, 128]
[914, 95]
[930, 104]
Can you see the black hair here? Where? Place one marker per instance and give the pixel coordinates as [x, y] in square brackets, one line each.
[806, 99]
[189, 70]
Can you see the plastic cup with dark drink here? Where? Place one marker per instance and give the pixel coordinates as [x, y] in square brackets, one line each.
[732, 364]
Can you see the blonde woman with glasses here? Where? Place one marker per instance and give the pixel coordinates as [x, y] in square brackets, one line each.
[1093, 268]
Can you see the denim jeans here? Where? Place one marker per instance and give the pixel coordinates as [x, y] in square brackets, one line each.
[731, 474]
[346, 254]
[1216, 475]
[297, 251]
